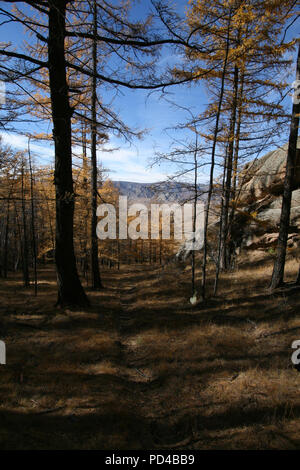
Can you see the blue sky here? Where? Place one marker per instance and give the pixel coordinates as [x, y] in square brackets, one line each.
[138, 109]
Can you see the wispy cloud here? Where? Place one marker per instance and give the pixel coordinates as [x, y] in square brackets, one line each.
[123, 164]
[130, 164]
[20, 142]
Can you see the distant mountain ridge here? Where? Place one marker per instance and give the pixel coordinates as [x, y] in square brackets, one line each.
[165, 191]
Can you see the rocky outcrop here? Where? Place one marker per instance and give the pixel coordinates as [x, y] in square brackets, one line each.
[265, 175]
[269, 240]
[260, 197]
[273, 211]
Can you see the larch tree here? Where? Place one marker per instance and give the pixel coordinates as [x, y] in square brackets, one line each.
[130, 42]
[291, 163]
[249, 49]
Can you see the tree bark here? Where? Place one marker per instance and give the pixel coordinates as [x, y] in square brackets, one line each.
[7, 227]
[6, 240]
[218, 264]
[194, 215]
[70, 290]
[34, 248]
[234, 192]
[96, 279]
[278, 270]
[25, 243]
[215, 140]
[228, 182]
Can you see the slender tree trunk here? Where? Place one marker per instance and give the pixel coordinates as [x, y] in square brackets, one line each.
[278, 270]
[5, 254]
[96, 279]
[6, 239]
[229, 186]
[218, 265]
[229, 166]
[34, 251]
[25, 243]
[18, 235]
[160, 241]
[194, 215]
[118, 253]
[211, 179]
[70, 290]
[154, 253]
[50, 221]
[86, 198]
[142, 251]
[235, 162]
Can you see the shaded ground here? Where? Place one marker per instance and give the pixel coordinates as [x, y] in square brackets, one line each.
[142, 369]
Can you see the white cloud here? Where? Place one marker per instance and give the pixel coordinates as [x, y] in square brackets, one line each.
[123, 164]
[20, 142]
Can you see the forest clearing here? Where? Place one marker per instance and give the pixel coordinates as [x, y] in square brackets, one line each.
[141, 369]
[149, 225]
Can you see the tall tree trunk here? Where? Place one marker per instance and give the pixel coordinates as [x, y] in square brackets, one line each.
[86, 198]
[50, 220]
[5, 254]
[6, 239]
[25, 244]
[142, 251]
[70, 290]
[96, 279]
[229, 166]
[215, 139]
[194, 216]
[34, 251]
[223, 259]
[278, 270]
[218, 264]
[18, 235]
[118, 253]
[235, 163]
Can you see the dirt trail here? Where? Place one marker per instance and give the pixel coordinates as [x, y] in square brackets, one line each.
[142, 369]
[155, 433]
[127, 319]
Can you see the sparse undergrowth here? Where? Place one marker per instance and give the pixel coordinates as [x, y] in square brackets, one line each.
[143, 369]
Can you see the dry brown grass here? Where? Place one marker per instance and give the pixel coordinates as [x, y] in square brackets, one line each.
[141, 368]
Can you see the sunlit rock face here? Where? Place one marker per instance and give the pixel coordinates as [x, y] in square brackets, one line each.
[265, 175]
[262, 184]
[273, 211]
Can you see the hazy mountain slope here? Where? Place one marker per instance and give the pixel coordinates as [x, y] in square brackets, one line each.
[163, 192]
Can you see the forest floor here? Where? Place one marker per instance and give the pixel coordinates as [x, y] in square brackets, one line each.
[143, 369]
